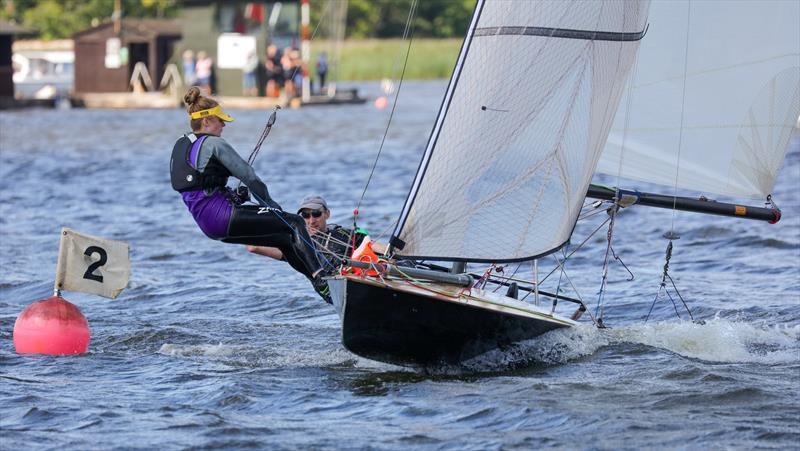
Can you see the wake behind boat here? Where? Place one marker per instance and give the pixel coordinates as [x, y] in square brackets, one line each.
[523, 126]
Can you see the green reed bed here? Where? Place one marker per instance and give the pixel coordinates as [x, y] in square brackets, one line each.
[375, 59]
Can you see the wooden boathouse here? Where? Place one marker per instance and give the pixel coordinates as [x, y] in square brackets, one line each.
[107, 55]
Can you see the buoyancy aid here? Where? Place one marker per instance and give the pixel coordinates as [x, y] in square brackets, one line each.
[183, 166]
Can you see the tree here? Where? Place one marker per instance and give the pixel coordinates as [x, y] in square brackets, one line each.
[387, 18]
[54, 19]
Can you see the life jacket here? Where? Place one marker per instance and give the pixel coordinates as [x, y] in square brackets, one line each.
[183, 167]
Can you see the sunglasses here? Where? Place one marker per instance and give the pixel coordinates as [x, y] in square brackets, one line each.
[312, 213]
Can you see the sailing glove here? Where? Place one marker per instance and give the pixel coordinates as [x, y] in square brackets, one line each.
[243, 193]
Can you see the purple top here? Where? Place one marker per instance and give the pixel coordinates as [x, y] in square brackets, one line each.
[212, 213]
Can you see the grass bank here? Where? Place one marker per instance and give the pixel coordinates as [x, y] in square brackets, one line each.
[375, 59]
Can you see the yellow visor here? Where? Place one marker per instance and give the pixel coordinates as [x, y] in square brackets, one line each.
[216, 111]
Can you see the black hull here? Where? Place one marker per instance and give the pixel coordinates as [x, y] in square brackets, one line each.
[399, 327]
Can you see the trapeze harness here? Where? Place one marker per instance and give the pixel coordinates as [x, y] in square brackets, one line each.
[201, 173]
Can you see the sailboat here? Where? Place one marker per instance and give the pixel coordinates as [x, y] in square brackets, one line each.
[544, 95]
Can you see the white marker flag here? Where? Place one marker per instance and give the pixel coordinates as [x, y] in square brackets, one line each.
[92, 265]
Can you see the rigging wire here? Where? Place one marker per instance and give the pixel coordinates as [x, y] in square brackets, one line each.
[576, 249]
[671, 235]
[600, 309]
[683, 110]
[663, 288]
[408, 33]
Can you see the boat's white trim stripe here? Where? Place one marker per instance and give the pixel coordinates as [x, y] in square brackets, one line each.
[456, 297]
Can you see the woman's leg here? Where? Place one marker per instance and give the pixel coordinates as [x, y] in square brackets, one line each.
[257, 226]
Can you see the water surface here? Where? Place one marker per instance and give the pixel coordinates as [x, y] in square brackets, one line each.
[210, 346]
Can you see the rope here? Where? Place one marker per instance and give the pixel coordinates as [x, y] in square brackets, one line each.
[408, 33]
[683, 110]
[576, 249]
[671, 235]
[663, 288]
[599, 310]
[560, 264]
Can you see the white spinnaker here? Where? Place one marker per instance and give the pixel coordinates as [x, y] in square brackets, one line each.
[521, 129]
[742, 98]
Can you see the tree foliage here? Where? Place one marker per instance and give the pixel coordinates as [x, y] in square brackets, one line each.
[55, 19]
[387, 18]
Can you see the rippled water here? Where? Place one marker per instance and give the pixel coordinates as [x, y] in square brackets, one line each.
[212, 347]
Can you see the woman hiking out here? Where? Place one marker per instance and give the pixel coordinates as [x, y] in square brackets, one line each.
[200, 166]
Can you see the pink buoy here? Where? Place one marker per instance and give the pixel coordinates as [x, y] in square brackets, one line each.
[51, 326]
[381, 102]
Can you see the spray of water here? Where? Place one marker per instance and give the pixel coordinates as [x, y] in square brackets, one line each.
[716, 340]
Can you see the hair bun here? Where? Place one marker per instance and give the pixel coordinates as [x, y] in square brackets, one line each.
[191, 96]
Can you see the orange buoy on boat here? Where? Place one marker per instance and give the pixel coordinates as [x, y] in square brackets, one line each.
[51, 326]
[364, 253]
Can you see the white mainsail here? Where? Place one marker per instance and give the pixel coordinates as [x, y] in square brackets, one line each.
[523, 123]
[730, 132]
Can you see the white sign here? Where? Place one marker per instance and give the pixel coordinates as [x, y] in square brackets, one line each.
[92, 265]
[233, 50]
[113, 46]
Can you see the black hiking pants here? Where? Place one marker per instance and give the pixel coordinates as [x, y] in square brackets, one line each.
[257, 226]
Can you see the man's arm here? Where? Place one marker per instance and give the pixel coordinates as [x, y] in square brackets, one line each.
[272, 252]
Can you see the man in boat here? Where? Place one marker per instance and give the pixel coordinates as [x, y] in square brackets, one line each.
[202, 161]
[333, 241]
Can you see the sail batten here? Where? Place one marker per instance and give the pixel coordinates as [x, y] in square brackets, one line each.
[524, 120]
[591, 35]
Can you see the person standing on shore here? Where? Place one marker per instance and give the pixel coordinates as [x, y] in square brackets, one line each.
[249, 72]
[189, 74]
[203, 70]
[322, 70]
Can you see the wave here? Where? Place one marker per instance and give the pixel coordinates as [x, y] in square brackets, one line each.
[717, 340]
[261, 357]
[220, 349]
